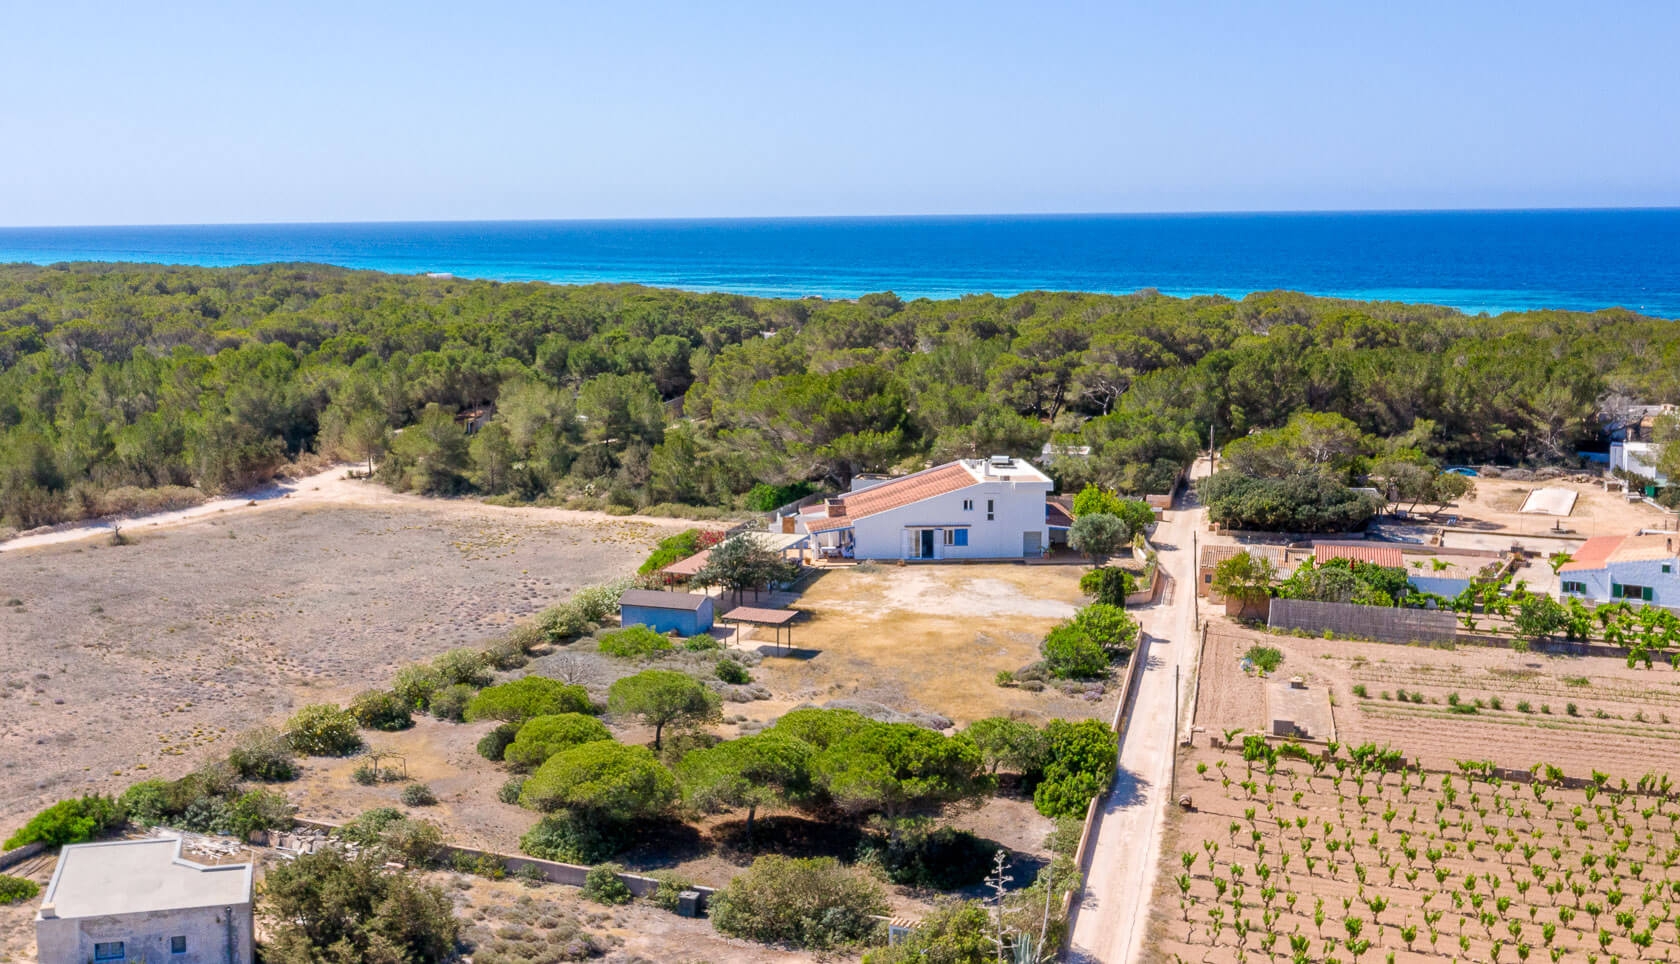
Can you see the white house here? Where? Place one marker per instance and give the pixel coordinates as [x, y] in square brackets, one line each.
[140, 900]
[972, 509]
[1638, 568]
[1637, 458]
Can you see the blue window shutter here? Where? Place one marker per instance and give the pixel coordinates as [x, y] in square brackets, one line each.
[962, 537]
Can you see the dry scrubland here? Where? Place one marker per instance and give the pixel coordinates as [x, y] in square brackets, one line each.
[1496, 870]
[120, 663]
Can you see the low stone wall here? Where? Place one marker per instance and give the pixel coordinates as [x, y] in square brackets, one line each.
[12, 858]
[551, 870]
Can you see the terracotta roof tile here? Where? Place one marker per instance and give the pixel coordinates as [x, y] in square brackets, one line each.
[1381, 555]
[1593, 554]
[894, 495]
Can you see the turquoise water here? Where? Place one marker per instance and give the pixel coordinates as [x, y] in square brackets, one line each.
[1473, 260]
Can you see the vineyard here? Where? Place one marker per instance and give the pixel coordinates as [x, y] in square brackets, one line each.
[1338, 854]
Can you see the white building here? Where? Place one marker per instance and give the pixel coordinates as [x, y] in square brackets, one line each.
[973, 509]
[1637, 458]
[1638, 568]
[140, 900]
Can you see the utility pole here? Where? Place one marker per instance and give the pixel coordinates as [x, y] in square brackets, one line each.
[1173, 779]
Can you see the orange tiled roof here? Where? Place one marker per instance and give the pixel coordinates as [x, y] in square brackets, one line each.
[1593, 554]
[1381, 555]
[893, 495]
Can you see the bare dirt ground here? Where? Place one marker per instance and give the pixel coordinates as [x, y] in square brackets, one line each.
[1497, 503]
[1625, 720]
[126, 662]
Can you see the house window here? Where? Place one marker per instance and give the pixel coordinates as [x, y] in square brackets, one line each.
[956, 537]
[991, 510]
[178, 944]
[109, 951]
[1668, 567]
[1631, 592]
[1575, 588]
[968, 505]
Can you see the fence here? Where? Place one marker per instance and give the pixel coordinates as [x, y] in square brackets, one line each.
[1382, 623]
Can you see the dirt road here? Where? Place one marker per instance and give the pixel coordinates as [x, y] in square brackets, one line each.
[1110, 920]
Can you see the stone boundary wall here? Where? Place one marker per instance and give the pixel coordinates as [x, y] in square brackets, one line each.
[1380, 623]
[12, 858]
[551, 870]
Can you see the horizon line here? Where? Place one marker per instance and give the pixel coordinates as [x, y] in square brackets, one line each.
[693, 219]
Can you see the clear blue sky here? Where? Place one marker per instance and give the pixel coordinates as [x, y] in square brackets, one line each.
[138, 112]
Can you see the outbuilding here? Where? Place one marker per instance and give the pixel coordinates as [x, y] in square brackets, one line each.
[141, 900]
[684, 613]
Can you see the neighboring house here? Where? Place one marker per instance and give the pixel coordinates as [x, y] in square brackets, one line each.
[473, 419]
[1636, 424]
[972, 509]
[1637, 458]
[141, 901]
[1058, 517]
[1389, 556]
[1212, 556]
[686, 614]
[1637, 568]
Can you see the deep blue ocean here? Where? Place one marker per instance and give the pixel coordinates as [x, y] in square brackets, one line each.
[1477, 261]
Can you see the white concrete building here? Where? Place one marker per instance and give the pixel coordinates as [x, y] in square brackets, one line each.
[1637, 458]
[1642, 567]
[141, 901]
[972, 509]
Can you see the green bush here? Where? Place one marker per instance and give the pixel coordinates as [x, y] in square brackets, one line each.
[635, 642]
[943, 859]
[954, 933]
[1070, 654]
[1266, 658]
[507, 653]
[16, 890]
[450, 702]
[418, 795]
[1107, 625]
[703, 643]
[811, 903]
[527, 698]
[509, 791]
[586, 609]
[575, 839]
[732, 672]
[543, 736]
[671, 549]
[1082, 760]
[765, 497]
[69, 821]
[263, 754]
[669, 892]
[1109, 584]
[322, 729]
[381, 710]
[494, 744]
[326, 907]
[414, 685]
[463, 666]
[365, 828]
[602, 779]
[602, 885]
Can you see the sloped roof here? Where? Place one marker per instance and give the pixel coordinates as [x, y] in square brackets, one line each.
[1216, 554]
[654, 599]
[1058, 511]
[689, 565]
[1600, 551]
[1389, 556]
[1593, 554]
[898, 493]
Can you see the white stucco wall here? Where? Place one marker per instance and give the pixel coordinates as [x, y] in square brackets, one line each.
[1640, 458]
[1019, 508]
[1665, 586]
[209, 932]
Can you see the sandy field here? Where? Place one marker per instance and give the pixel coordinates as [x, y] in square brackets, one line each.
[1496, 506]
[123, 662]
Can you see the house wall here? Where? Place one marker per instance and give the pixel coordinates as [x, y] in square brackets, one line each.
[215, 935]
[683, 621]
[1019, 509]
[1665, 586]
[1636, 457]
[1439, 585]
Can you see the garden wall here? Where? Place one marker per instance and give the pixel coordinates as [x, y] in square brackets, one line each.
[12, 858]
[1381, 623]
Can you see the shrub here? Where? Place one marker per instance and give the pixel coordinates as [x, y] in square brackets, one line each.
[635, 642]
[604, 779]
[365, 828]
[259, 809]
[450, 702]
[733, 673]
[506, 653]
[1004, 678]
[813, 903]
[1523, 706]
[1109, 584]
[575, 839]
[765, 497]
[669, 891]
[1495, 703]
[365, 774]
[543, 736]
[1360, 691]
[1266, 658]
[1010, 744]
[16, 890]
[1108, 625]
[509, 791]
[527, 698]
[602, 885]
[587, 608]
[955, 933]
[263, 754]
[322, 729]
[703, 643]
[1572, 709]
[671, 549]
[414, 685]
[324, 906]
[381, 710]
[494, 744]
[69, 821]
[1082, 760]
[944, 859]
[463, 666]
[1070, 654]
[418, 795]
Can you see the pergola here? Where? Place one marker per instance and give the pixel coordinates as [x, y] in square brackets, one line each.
[774, 618]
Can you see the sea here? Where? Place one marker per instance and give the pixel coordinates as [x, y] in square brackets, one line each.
[1476, 261]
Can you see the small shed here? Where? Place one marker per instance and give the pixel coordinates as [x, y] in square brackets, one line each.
[687, 614]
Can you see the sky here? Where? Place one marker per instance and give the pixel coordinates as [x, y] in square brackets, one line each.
[181, 113]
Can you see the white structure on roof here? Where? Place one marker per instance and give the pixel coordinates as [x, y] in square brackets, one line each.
[1642, 567]
[140, 900]
[971, 509]
[1637, 458]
